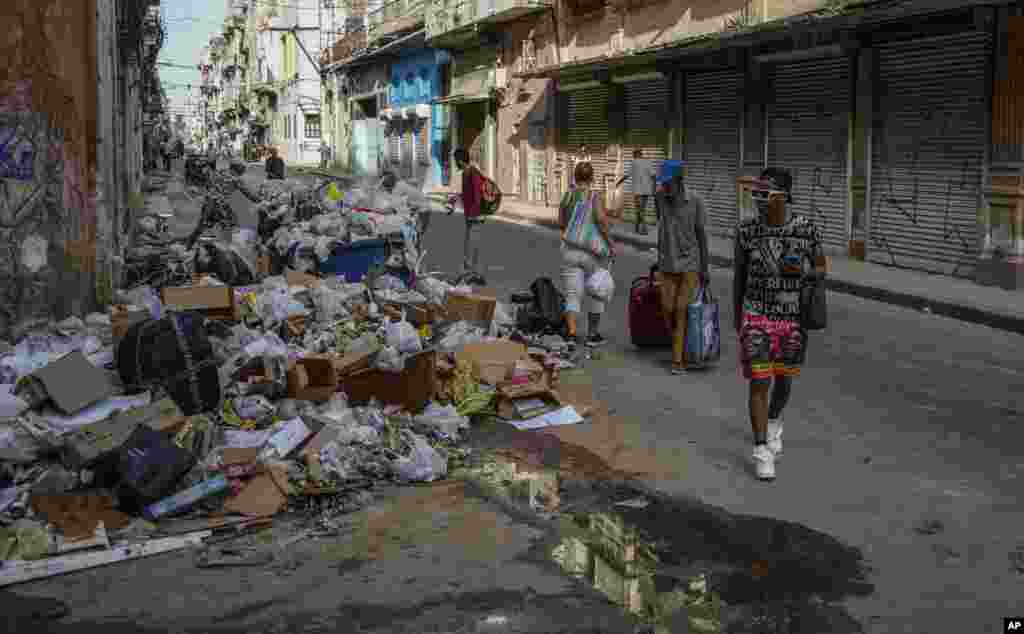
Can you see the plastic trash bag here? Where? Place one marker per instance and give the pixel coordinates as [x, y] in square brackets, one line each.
[255, 408]
[143, 297]
[423, 464]
[444, 420]
[601, 285]
[390, 360]
[389, 283]
[339, 460]
[402, 336]
[458, 335]
[366, 343]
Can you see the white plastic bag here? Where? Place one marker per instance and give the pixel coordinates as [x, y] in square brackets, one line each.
[390, 360]
[445, 420]
[402, 336]
[601, 285]
[423, 464]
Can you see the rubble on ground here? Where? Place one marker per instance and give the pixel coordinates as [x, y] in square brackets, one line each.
[189, 410]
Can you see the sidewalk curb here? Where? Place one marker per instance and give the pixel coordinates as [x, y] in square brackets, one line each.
[970, 314]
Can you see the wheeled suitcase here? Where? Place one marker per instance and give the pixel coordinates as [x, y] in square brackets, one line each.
[647, 327]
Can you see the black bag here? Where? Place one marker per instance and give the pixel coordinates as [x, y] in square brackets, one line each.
[546, 313]
[175, 353]
[813, 304]
[149, 465]
[224, 263]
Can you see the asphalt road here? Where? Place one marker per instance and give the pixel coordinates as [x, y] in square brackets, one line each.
[902, 440]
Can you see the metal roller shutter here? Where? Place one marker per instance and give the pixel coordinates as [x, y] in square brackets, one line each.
[645, 131]
[808, 134]
[927, 153]
[587, 128]
[712, 146]
[394, 144]
[408, 139]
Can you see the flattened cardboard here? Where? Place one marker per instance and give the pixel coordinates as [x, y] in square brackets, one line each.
[73, 384]
[260, 497]
[90, 443]
[236, 456]
[198, 297]
[298, 278]
[78, 515]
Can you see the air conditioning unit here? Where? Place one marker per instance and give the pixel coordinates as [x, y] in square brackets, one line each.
[423, 111]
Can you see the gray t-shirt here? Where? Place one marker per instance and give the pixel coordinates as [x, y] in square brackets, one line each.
[677, 233]
[642, 176]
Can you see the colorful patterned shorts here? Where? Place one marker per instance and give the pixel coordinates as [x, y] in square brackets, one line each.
[770, 348]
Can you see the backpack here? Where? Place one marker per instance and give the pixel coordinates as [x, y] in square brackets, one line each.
[546, 313]
[490, 196]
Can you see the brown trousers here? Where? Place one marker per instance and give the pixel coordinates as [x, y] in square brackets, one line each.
[677, 292]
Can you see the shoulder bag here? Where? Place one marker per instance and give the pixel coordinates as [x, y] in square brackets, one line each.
[813, 298]
[583, 232]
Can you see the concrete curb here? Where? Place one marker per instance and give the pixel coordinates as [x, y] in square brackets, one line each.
[960, 312]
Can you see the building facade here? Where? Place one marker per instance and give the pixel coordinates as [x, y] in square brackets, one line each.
[78, 92]
[897, 121]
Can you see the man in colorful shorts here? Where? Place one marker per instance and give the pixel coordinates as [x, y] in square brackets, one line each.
[774, 257]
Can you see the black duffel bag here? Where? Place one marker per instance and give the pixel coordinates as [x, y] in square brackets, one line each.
[174, 353]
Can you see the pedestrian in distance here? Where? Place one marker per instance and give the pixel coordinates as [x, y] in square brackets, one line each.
[587, 247]
[274, 166]
[325, 155]
[775, 257]
[472, 184]
[642, 175]
[682, 260]
[168, 154]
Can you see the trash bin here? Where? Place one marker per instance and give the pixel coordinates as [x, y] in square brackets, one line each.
[355, 260]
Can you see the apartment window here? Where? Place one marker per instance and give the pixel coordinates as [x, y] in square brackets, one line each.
[312, 126]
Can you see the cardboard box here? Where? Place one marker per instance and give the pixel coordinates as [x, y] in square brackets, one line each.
[412, 388]
[313, 378]
[352, 363]
[474, 307]
[216, 302]
[263, 265]
[493, 361]
[421, 314]
[122, 318]
[298, 278]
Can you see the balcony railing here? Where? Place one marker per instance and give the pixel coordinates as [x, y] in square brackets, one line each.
[399, 15]
[446, 16]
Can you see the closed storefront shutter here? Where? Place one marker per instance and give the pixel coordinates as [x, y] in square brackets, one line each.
[808, 134]
[587, 127]
[394, 144]
[408, 140]
[927, 153]
[646, 131]
[712, 144]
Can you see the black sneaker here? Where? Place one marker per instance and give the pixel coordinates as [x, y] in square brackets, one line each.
[596, 340]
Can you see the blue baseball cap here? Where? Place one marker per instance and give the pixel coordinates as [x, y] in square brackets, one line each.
[669, 170]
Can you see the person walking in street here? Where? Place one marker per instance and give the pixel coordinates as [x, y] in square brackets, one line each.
[578, 208]
[775, 256]
[472, 184]
[682, 260]
[325, 155]
[642, 176]
[274, 166]
[167, 150]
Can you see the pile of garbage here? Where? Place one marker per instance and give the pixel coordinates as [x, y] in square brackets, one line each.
[189, 410]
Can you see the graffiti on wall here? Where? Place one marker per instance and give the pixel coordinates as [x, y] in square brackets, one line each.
[903, 197]
[34, 218]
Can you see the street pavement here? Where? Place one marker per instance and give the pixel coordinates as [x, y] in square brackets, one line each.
[902, 440]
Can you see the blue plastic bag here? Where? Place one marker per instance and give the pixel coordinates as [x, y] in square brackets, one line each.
[703, 334]
[668, 171]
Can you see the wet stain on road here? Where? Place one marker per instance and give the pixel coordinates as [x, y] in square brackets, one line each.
[666, 560]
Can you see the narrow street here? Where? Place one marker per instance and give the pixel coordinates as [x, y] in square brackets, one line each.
[901, 446]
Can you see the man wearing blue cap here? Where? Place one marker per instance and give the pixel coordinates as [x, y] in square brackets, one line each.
[682, 254]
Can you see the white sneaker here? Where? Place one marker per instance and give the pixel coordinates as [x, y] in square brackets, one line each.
[775, 437]
[764, 462]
